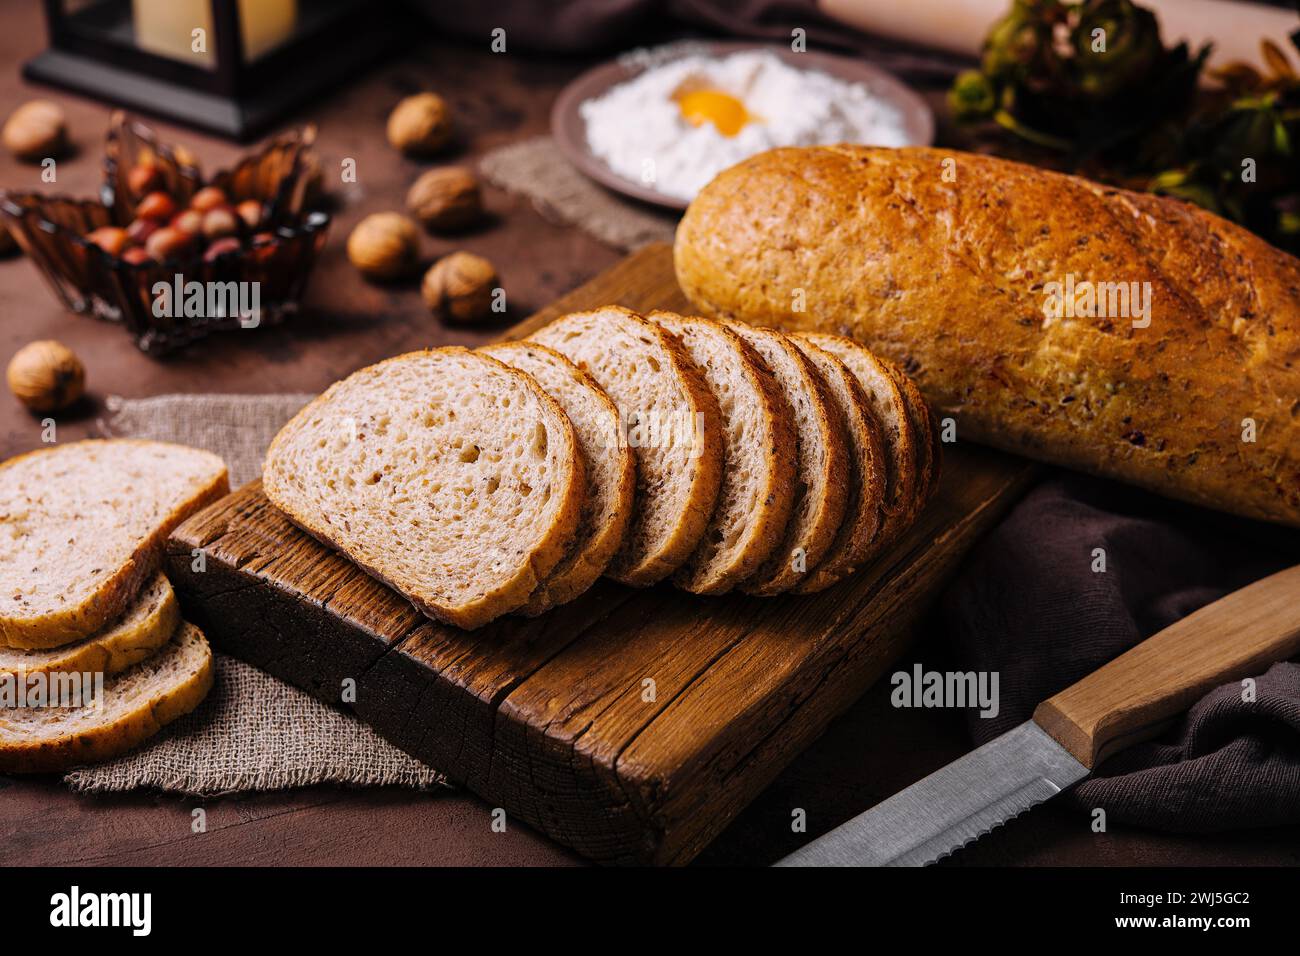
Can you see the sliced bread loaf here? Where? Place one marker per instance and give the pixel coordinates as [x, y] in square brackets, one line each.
[81, 528]
[147, 625]
[759, 452]
[928, 455]
[885, 397]
[447, 474]
[821, 492]
[136, 704]
[867, 480]
[672, 424]
[611, 471]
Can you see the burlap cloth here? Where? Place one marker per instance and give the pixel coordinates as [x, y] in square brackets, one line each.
[536, 170]
[253, 732]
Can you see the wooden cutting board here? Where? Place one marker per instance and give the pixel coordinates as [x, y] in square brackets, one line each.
[631, 725]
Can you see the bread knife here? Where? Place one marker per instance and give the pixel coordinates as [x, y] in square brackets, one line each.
[1132, 698]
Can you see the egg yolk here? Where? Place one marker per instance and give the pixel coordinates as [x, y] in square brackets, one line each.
[723, 110]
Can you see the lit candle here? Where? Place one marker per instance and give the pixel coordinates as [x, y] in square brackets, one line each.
[166, 27]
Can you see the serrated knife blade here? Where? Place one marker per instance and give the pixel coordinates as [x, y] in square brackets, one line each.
[951, 807]
[1131, 698]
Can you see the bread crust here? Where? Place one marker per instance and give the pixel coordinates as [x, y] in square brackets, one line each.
[113, 650]
[765, 525]
[778, 573]
[600, 536]
[629, 566]
[928, 460]
[860, 535]
[114, 594]
[113, 738]
[511, 593]
[948, 279]
[906, 455]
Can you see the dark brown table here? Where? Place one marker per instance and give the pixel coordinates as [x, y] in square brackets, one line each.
[871, 752]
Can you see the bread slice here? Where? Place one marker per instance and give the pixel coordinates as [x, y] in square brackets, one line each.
[928, 455]
[135, 705]
[610, 469]
[147, 625]
[447, 474]
[859, 535]
[759, 454]
[885, 397]
[672, 424]
[82, 527]
[821, 492]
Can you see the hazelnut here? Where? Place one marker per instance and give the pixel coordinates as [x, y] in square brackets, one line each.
[250, 210]
[35, 130]
[208, 198]
[46, 376]
[168, 243]
[144, 178]
[136, 256]
[460, 287]
[220, 222]
[385, 245]
[420, 124]
[156, 205]
[110, 238]
[446, 199]
[139, 230]
[188, 220]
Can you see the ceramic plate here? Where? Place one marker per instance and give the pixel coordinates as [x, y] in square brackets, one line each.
[570, 130]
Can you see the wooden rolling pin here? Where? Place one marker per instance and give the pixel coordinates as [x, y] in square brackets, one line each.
[960, 26]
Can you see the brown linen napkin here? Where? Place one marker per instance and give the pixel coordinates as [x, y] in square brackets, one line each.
[253, 732]
[1028, 605]
[536, 170]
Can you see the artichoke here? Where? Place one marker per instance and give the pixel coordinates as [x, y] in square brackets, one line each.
[972, 97]
[1131, 47]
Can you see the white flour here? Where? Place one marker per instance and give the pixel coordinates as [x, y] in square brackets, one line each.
[638, 129]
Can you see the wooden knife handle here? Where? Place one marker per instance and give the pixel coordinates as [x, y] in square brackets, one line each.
[1137, 694]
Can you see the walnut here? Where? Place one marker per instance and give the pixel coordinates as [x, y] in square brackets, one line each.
[460, 287]
[385, 245]
[46, 376]
[445, 200]
[420, 124]
[35, 131]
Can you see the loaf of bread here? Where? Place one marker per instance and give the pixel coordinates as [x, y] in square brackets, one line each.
[1118, 333]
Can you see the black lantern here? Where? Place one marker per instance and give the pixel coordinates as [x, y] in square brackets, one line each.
[230, 66]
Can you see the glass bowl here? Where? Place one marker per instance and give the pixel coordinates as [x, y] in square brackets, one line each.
[279, 257]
